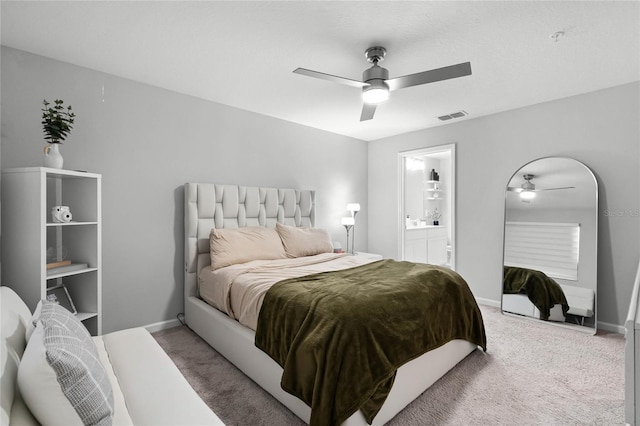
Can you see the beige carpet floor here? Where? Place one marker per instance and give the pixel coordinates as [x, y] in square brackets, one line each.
[531, 374]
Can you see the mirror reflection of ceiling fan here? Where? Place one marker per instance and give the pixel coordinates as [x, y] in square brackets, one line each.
[528, 189]
[376, 83]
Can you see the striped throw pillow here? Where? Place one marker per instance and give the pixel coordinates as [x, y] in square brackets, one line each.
[72, 355]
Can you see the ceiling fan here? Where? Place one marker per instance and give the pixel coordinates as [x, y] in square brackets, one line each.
[376, 83]
[528, 189]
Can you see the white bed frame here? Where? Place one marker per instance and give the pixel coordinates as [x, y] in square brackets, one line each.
[231, 206]
[581, 303]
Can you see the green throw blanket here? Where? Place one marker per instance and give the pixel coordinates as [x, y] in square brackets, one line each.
[541, 290]
[340, 336]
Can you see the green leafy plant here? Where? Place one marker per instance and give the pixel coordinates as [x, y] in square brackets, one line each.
[57, 121]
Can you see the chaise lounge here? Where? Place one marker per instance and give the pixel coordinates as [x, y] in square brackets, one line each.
[148, 389]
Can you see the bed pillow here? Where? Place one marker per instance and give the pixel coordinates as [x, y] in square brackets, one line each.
[299, 242]
[60, 376]
[240, 245]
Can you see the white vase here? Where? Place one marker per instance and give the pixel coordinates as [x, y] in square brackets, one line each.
[52, 157]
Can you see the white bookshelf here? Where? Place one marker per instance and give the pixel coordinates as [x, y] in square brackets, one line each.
[30, 238]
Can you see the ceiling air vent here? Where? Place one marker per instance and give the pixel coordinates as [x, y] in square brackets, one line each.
[453, 115]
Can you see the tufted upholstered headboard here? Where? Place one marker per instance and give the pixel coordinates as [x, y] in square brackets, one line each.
[209, 205]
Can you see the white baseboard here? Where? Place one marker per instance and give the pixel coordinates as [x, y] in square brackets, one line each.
[488, 302]
[163, 325]
[614, 328]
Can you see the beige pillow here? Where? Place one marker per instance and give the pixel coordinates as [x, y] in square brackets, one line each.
[299, 242]
[241, 245]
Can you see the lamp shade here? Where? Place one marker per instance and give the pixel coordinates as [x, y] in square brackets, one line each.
[346, 221]
[353, 207]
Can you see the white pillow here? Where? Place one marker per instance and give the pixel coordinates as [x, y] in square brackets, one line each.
[32, 325]
[240, 245]
[299, 242]
[60, 377]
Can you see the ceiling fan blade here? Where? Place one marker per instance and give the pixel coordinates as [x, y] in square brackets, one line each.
[329, 77]
[514, 189]
[367, 112]
[438, 74]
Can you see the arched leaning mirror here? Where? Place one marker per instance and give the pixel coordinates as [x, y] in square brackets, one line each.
[550, 243]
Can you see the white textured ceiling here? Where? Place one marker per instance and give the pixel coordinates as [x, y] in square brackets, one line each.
[242, 54]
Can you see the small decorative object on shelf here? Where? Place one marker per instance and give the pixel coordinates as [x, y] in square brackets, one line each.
[435, 216]
[60, 295]
[57, 122]
[61, 214]
[57, 255]
[53, 265]
[433, 175]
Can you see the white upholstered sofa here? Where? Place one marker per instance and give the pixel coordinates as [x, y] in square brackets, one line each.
[148, 389]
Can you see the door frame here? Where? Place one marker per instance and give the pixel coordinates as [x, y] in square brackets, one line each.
[402, 160]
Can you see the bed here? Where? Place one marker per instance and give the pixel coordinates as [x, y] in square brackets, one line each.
[532, 293]
[225, 207]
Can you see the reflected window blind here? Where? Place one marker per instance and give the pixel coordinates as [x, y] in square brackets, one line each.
[548, 247]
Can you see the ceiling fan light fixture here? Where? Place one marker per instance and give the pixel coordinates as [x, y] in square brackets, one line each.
[527, 194]
[376, 85]
[376, 93]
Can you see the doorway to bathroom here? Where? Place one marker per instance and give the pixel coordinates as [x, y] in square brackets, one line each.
[427, 205]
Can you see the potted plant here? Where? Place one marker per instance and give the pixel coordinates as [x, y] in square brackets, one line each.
[57, 122]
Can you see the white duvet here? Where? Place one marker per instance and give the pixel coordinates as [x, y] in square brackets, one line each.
[238, 290]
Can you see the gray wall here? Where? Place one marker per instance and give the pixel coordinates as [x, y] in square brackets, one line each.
[413, 194]
[599, 129]
[147, 142]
